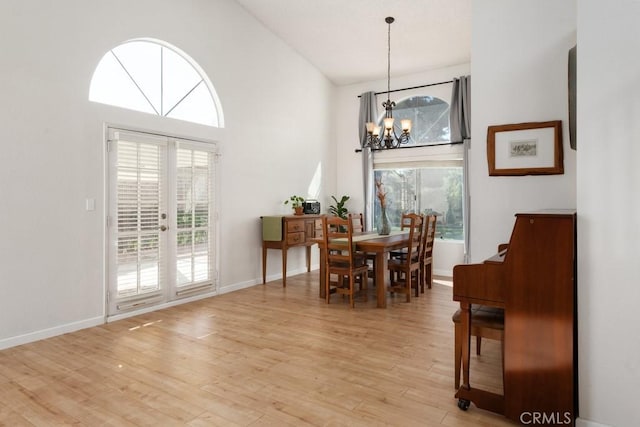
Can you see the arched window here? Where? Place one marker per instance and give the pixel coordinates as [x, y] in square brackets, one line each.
[154, 77]
[429, 116]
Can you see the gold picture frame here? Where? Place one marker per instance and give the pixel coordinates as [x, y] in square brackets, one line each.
[533, 148]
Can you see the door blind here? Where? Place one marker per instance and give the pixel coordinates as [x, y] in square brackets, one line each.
[194, 203]
[140, 208]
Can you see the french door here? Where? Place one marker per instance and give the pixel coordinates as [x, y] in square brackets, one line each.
[161, 222]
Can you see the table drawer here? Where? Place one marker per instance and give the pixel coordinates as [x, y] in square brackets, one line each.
[295, 226]
[295, 238]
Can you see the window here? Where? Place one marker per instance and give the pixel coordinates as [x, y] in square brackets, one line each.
[429, 116]
[149, 76]
[434, 189]
[427, 179]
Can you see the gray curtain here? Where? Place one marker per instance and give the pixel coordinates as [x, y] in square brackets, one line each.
[368, 113]
[460, 123]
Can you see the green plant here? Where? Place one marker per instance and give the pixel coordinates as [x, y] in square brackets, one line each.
[338, 209]
[296, 201]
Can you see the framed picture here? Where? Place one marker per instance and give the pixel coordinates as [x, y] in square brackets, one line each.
[525, 149]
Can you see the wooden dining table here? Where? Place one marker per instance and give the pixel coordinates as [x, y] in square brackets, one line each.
[381, 246]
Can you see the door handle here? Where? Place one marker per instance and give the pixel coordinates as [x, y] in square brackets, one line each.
[163, 228]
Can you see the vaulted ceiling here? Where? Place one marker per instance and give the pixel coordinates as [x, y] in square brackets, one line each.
[347, 39]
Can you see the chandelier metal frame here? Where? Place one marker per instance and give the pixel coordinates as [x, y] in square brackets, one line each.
[389, 139]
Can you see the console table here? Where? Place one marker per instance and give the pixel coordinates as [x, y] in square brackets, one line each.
[285, 231]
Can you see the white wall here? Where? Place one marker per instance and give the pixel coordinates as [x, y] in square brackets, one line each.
[608, 230]
[52, 158]
[519, 53]
[349, 163]
[518, 74]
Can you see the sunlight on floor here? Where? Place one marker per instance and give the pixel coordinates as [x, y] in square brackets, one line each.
[443, 280]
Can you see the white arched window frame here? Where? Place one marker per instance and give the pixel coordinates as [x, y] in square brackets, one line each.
[155, 77]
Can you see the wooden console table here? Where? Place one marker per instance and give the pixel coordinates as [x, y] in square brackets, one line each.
[285, 231]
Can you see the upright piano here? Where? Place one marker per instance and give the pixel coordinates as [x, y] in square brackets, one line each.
[534, 280]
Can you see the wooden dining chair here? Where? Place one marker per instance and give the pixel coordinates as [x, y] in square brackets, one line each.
[358, 222]
[405, 223]
[404, 271]
[358, 227]
[426, 255]
[342, 261]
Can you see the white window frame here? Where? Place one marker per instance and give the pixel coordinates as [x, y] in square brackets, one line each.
[94, 89]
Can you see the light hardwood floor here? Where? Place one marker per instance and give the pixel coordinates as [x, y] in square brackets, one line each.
[262, 356]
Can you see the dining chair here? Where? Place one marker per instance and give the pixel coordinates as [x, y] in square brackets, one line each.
[405, 221]
[342, 261]
[358, 227]
[358, 222]
[426, 256]
[404, 271]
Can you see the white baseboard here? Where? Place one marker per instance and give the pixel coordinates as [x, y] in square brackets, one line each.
[443, 273]
[289, 273]
[50, 332]
[161, 306]
[241, 285]
[581, 422]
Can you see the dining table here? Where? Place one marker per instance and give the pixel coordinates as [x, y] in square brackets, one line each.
[372, 243]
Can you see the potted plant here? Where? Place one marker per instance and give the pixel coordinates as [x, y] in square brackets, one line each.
[296, 204]
[338, 209]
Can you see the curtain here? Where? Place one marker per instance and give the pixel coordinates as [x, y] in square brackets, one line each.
[368, 113]
[460, 123]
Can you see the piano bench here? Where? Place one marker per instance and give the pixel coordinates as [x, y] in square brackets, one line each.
[486, 322]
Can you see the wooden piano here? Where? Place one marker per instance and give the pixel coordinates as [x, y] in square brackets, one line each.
[534, 280]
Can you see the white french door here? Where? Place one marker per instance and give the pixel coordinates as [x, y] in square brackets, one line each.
[161, 222]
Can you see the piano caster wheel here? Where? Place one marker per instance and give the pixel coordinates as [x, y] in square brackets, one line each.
[463, 404]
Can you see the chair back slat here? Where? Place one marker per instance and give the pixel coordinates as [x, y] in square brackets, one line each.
[429, 236]
[426, 276]
[414, 223]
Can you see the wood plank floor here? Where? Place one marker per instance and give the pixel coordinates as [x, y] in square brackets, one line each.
[262, 356]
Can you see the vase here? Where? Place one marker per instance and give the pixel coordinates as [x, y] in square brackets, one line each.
[384, 227]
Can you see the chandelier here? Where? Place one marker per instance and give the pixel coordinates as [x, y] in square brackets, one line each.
[388, 138]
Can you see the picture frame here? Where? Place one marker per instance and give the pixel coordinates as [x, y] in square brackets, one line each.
[533, 148]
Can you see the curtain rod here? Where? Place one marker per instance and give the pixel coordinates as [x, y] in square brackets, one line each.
[359, 150]
[414, 87]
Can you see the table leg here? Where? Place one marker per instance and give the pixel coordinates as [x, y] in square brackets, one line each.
[284, 267]
[264, 265]
[381, 279]
[322, 290]
[308, 258]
